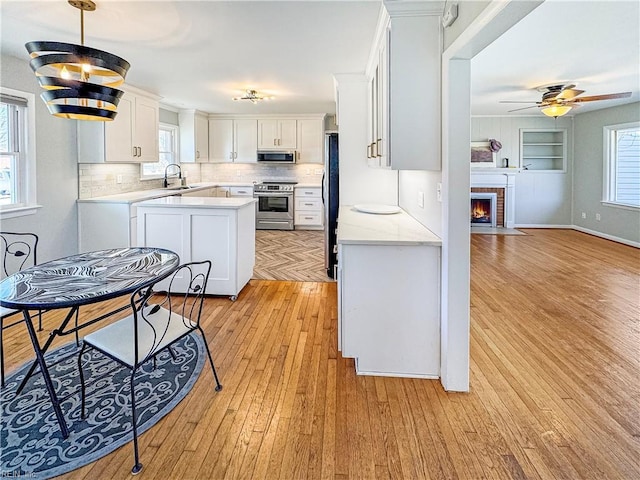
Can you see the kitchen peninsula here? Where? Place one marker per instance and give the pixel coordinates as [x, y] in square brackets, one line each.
[388, 294]
[204, 228]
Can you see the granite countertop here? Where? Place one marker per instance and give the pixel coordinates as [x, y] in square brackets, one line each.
[359, 228]
[198, 202]
[142, 195]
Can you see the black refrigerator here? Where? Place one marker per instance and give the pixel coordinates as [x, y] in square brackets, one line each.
[331, 201]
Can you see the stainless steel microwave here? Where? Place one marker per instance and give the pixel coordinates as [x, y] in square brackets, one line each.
[275, 156]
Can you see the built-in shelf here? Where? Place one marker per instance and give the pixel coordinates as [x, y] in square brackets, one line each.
[543, 150]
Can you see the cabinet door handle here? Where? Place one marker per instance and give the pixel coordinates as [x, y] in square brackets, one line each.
[378, 154]
[374, 155]
[274, 142]
[197, 154]
[235, 155]
[135, 151]
[230, 155]
[308, 204]
[139, 151]
[308, 218]
[369, 151]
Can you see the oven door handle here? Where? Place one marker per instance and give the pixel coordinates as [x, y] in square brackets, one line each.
[274, 194]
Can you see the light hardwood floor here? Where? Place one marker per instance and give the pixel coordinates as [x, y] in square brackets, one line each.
[554, 381]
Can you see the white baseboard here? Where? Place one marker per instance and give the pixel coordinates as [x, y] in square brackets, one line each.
[607, 236]
[535, 225]
[584, 230]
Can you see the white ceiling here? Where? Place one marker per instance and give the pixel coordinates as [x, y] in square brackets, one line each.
[199, 54]
[593, 44]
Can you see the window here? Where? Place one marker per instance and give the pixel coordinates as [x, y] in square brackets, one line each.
[622, 172]
[168, 138]
[17, 153]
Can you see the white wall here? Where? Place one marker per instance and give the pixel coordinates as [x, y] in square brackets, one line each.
[358, 182]
[588, 175]
[411, 184]
[541, 198]
[57, 171]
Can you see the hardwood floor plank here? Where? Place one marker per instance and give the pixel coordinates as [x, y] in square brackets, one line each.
[553, 371]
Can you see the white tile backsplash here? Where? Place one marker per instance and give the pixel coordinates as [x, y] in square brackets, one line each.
[96, 180]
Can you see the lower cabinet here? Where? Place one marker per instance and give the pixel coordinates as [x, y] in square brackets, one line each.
[308, 208]
[388, 309]
[106, 225]
[226, 236]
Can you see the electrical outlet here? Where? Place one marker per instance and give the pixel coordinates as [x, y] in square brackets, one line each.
[118, 178]
[421, 199]
[439, 192]
[584, 215]
[597, 216]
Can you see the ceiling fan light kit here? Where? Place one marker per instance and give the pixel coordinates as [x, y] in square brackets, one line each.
[79, 82]
[558, 100]
[555, 110]
[253, 96]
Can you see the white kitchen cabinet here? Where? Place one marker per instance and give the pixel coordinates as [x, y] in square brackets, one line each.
[276, 134]
[233, 140]
[218, 229]
[308, 209]
[241, 191]
[388, 294]
[132, 137]
[404, 92]
[310, 141]
[194, 136]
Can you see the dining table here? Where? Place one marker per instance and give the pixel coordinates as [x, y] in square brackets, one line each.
[77, 280]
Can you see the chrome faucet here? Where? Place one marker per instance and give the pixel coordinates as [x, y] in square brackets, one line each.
[166, 183]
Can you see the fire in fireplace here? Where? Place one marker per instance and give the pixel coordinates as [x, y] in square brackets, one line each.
[483, 209]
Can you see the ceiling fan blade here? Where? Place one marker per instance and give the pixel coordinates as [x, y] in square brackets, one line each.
[523, 108]
[609, 96]
[569, 94]
[514, 101]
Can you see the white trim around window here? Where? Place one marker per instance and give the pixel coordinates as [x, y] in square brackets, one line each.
[611, 188]
[26, 178]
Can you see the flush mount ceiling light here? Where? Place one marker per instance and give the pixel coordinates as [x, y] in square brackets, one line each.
[79, 82]
[253, 96]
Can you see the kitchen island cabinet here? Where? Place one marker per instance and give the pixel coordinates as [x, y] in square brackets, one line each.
[388, 294]
[204, 228]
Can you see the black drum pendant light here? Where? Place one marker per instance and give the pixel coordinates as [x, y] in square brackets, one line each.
[80, 82]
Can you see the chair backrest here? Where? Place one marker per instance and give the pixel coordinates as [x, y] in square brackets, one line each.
[160, 315]
[18, 251]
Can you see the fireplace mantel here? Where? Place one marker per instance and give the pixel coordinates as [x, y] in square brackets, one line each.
[499, 178]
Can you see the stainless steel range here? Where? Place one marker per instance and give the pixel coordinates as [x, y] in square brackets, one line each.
[274, 210]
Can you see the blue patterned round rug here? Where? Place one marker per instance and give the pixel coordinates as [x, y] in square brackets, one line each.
[31, 444]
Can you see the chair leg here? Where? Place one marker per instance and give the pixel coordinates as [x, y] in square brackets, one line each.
[215, 375]
[1, 356]
[137, 467]
[82, 385]
[77, 338]
[39, 320]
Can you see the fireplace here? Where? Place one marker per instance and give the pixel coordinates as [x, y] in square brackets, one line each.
[484, 209]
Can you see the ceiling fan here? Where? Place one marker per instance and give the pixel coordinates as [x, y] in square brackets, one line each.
[558, 100]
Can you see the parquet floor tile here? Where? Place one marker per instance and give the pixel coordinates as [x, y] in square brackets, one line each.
[296, 255]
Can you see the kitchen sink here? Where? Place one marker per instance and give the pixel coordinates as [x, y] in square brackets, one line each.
[181, 187]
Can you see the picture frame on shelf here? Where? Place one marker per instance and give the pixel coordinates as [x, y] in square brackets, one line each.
[482, 156]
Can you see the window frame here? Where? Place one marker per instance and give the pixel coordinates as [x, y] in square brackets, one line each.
[609, 165]
[175, 130]
[26, 184]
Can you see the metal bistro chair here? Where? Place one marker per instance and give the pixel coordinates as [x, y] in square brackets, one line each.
[159, 319]
[19, 251]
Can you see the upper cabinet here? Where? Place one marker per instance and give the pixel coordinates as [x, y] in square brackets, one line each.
[276, 134]
[310, 140]
[194, 136]
[132, 137]
[404, 90]
[233, 140]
